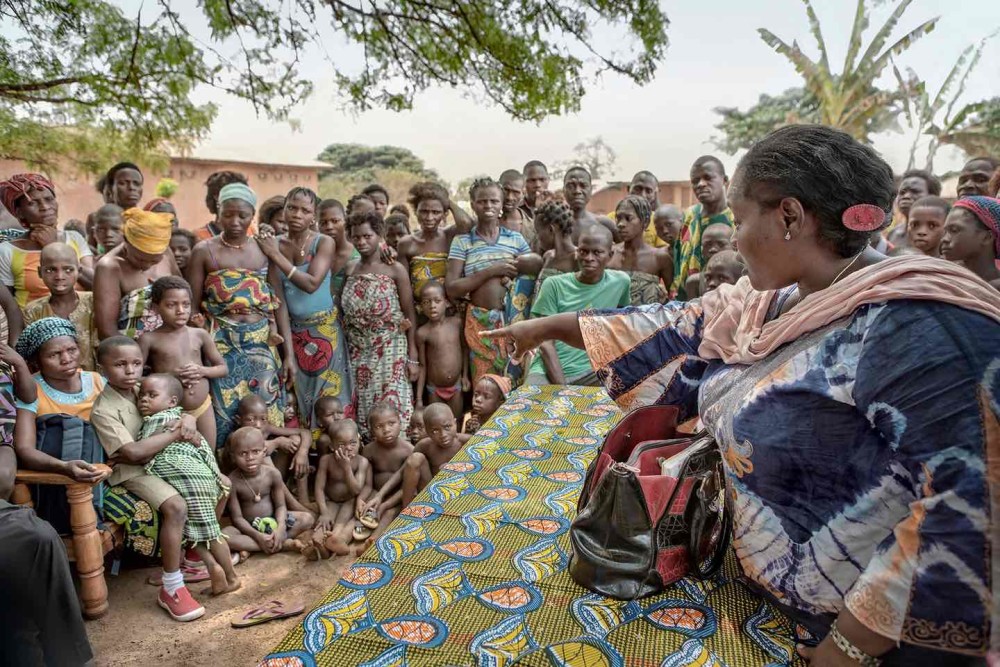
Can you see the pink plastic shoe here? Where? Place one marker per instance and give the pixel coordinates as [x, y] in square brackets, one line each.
[181, 606]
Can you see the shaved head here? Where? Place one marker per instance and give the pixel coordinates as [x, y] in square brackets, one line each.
[668, 211]
[58, 252]
[438, 413]
[599, 233]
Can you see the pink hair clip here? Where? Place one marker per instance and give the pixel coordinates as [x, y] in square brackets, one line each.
[863, 217]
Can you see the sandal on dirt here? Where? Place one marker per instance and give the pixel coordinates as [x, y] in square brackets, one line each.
[361, 532]
[369, 519]
[192, 575]
[270, 611]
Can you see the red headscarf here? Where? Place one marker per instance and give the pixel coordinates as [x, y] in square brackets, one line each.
[19, 185]
[153, 203]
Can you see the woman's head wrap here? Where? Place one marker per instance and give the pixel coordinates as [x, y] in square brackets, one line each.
[40, 332]
[238, 191]
[987, 210]
[19, 185]
[502, 383]
[146, 231]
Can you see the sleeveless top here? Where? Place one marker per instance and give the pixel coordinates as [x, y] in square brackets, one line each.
[301, 304]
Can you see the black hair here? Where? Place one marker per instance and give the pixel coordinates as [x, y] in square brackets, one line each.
[187, 234]
[355, 199]
[648, 174]
[101, 183]
[510, 174]
[324, 400]
[932, 181]
[107, 210]
[434, 284]
[370, 218]
[109, 178]
[534, 163]
[165, 284]
[330, 203]
[112, 343]
[710, 159]
[397, 218]
[481, 183]
[401, 209]
[826, 170]
[642, 209]
[988, 159]
[578, 167]
[309, 194]
[270, 208]
[215, 182]
[932, 202]
[556, 212]
[375, 187]
[428, 190]
[382, 408]
[174, 386]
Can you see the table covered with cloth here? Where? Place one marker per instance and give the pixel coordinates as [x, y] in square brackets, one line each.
[474, 571]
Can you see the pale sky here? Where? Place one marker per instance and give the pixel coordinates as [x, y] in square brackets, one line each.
[715, 58]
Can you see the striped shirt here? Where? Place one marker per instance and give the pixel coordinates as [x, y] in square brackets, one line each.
[479, 254]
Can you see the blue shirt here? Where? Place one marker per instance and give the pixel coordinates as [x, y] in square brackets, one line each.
[479, 254]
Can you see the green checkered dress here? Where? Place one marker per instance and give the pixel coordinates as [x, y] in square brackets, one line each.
[193, 472]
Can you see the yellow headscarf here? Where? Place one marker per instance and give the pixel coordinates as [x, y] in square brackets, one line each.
[148, 232]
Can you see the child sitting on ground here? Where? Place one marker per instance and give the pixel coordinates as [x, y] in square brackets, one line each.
[715, 238]
[191, 469]
[724, 268]
[442, 443]
[444, 361]
[329, 410]
[286, 448]
[489, 394]
[925, 224]
[972, 236]
[261, 521]
[59, 269]
[181, 244]
[189, 352]
[387, 452]
[416, 431]
[343, 482]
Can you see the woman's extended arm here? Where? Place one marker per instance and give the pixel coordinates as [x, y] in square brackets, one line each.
[529, 334]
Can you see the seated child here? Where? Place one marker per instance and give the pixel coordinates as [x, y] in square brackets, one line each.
[182, 243]
[191, 469]
[343, 482]
[108, 226]
[715, 238]
[442, 443]
[328, 410]
[175, 347]
[972, 236]
[261, 522]
[387, 452]
[59, 269]
[444, 362]
[925, 224]
[416, 431]
[725, 268]
[489, 394]
[286, 448]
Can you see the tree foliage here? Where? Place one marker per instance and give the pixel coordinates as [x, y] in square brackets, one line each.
[741, 129]
[975, 129]
[362, 162]
[595, 154]
[90, 80]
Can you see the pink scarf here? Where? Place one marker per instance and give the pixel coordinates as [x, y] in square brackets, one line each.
[736, 332]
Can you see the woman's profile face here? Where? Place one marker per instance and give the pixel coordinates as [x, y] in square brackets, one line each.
[59, 358]
[760, 237]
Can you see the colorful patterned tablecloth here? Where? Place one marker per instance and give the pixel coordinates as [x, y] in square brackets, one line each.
[473, 572]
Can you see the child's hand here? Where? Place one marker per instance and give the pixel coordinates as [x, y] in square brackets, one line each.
[263, 541]
[277, 539]
[324, 522]
[466, 385]
[189, 373]
[189, 429]
[359, 507]
[300, 464]
[197, 320]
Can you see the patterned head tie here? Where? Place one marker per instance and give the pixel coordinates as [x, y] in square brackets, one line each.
[146, 231]
[238, 191]
[40, 332]
[987, 210]
[863, 217]
[502, 383]
[19, 185]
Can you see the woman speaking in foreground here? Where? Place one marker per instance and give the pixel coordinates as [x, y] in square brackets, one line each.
[863, 473]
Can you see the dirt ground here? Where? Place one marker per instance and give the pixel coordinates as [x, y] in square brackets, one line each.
[136, 632]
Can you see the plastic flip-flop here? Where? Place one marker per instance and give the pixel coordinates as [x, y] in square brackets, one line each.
[369, 519]
[361, 532]
[192, 575]
[270, 611]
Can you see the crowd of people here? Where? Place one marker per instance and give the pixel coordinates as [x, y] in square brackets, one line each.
[290, 375]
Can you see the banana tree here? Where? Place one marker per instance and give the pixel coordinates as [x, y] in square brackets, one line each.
[850, 100]
[975, 128]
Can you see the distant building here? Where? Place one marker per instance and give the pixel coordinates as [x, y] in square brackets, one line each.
[78, 197]
[678, 193]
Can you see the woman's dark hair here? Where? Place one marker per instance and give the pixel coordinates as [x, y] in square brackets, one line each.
[932, 181]
[355, 199]
[330, 203]
[397, 218]
[270, 208]
[428, 190]
[109, 178]
[307, 193]
[402, 209]
[480, 183]
[556, 212]
[165, 284]
[370, 218]
[826, 170]
[642, 209]
[215, 182]
[373, 188]
[189, 235]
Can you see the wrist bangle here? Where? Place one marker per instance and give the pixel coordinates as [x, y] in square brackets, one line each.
[292, 272]
[413, 362]
[850, 650]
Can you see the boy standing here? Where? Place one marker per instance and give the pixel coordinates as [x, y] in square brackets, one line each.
[925, 224]
[444, 362]
[592, 287]
[443, 441]
[59, 269]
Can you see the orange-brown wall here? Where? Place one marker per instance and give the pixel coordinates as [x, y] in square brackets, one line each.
[77, 196]
[678, 193]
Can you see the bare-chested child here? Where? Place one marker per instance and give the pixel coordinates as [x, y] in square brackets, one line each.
[387, 452]
[343, 482]
[715, 238]
[651, 269]
[329, 410]
[286, 448]
[186, 351]
[724, 268]
[261, 521]
[416, 431]
[444, 362]
[488, 395]
[443, 441]
[668, 221]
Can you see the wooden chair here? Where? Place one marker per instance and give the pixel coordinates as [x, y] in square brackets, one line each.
[85, 547]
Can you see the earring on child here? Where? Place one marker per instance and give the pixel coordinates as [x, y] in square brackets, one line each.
[788, 236]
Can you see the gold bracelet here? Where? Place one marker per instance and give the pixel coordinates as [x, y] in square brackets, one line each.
[850, 650]
[292, 272]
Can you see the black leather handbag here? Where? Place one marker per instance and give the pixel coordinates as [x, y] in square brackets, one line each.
[652, 509]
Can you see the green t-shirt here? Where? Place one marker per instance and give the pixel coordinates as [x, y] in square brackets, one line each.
[563, 293]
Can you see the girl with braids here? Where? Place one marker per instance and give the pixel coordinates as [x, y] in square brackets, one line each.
[554, 228]
[303, 258]
[495, 269]
[650, 269]
[425, 251]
